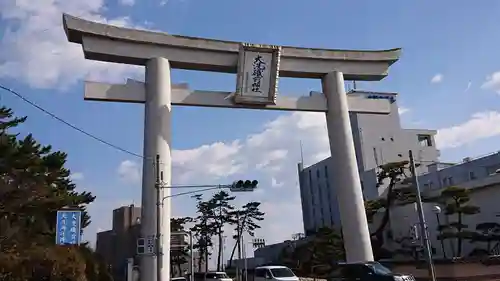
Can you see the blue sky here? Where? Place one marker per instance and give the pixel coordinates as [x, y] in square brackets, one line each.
[455, 41]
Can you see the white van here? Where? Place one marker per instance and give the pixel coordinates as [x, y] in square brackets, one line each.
[274, 273]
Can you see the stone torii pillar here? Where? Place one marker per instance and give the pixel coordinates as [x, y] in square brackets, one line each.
[160, 52]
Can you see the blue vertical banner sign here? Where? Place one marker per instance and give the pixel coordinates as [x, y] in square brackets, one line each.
[68, 227]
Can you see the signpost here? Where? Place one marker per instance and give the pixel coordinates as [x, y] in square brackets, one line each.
[68, 227]
[258, 72]
[390, 98]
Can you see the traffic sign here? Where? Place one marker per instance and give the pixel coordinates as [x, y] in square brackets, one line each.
[178, 240]
[68, 227]
[146, 246]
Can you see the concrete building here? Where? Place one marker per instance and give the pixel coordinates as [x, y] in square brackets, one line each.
[481, 176]
[378, 139]
[272, 253]
[250, 263]
[119, 244]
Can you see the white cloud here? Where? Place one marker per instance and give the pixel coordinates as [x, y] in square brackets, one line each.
[437, 78]
[481, 125]
[129, 171]
[272, 155]
[275, 183]
[34, 47]
[127, 2]
[163, 2]
[76, 176]
[402, 110]
[281, 229]
[468, 87]
[492, 82]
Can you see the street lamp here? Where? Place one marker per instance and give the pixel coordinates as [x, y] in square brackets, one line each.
[437, 211]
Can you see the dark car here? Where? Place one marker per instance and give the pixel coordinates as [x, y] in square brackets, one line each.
[366, 271]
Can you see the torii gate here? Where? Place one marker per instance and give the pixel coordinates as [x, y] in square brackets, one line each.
[256, 89]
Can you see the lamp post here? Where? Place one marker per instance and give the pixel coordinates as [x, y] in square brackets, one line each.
[421, 217]
[437, 211]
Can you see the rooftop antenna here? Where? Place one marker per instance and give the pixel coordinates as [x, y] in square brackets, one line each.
[354, 84]
[301, 154]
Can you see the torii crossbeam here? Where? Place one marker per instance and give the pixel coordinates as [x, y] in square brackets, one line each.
[258, 67]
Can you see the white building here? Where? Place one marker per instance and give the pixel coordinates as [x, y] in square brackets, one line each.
[378, 139]
[484, 193]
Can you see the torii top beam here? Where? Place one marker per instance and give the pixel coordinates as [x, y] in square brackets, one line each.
[130, 46]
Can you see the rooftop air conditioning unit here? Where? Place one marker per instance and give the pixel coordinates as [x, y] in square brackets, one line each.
[467, 159]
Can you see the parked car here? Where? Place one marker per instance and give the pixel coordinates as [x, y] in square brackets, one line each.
[211, 276]
[272, 273]
[366, 271]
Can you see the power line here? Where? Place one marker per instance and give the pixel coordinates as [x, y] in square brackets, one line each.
[69, 124]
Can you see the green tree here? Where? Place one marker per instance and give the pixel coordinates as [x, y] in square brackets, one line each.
[34, 185]
[246, 220]
[315, 255]
[327, 248]
[179, 254]
[487, 232]
[396, 178]
[456, 204]
[221, 202]
[95, 266]
[204, 229]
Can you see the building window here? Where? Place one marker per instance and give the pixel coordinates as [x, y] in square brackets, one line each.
[430, 185]
[472, 176]
[424, 140]
[311, 189]
[317, 173]
[445, 182]
[326, 171]
[331, 213]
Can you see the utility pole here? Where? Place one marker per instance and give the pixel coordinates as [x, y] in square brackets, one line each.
[223, 249]
[159, 201]
[238, 241]
[423, 229]
[244, 249]
[191, 267]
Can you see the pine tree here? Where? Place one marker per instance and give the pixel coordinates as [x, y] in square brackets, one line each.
[456, 204]
[245, 220]
[34, 185]
[204, 229]
[221, 202]
[179, 253]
